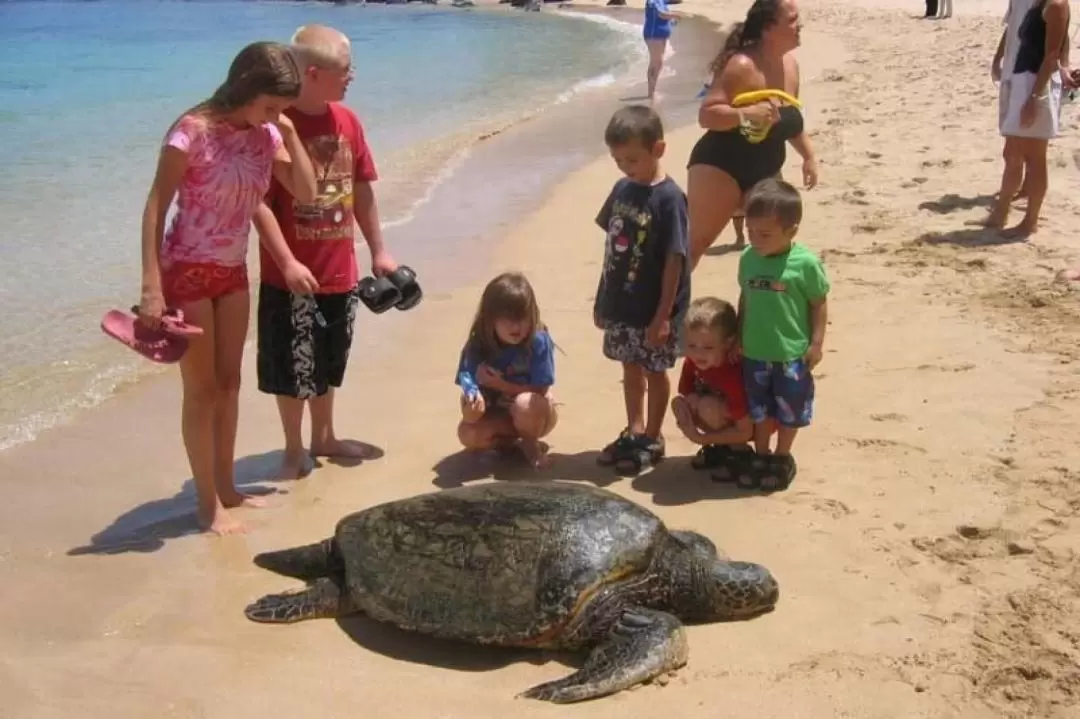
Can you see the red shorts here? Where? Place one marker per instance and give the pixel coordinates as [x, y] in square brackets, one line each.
[185, 282]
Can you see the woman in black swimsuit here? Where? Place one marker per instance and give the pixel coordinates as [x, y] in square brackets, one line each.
[723, 164]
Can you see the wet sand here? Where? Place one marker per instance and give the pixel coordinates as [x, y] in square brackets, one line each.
[926, 553]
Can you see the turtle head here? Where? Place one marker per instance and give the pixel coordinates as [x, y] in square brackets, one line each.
[706, 587]
[737, 590]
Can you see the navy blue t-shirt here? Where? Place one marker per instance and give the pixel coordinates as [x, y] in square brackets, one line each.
[644, 224]
[530, 363]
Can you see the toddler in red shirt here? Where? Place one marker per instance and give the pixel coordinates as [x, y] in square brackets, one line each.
[710, 408]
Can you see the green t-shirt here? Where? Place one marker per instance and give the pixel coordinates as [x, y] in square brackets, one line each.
[777, 292]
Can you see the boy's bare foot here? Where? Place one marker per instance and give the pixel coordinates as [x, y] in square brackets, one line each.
[993, 221]
[536, 453]
[1069, 275]
[344, 448]
[218, 521]
[294, 465]
[236, 498]
[1026, 228]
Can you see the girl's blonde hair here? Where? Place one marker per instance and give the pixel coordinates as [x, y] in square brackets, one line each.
[713, 314]
[508, 296]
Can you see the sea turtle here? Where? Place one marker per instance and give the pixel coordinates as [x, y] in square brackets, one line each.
[539, 564]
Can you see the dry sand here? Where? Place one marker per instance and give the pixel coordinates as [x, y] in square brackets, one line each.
[927, 552]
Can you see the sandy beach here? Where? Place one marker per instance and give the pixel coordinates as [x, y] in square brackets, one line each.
[927, 552]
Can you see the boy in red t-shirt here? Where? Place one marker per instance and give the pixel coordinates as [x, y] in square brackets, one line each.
[710, 408]
[307, 304]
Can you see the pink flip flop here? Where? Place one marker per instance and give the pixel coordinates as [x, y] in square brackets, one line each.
[172, 321]
[165, 346]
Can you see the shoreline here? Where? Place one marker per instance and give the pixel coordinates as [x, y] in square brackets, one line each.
[926, 553]
[433, 168]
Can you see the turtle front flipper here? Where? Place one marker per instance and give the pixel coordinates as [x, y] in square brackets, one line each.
[322, 599]
[308, 562]
[642, 645]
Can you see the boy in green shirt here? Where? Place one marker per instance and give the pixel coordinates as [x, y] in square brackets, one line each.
[782, 315]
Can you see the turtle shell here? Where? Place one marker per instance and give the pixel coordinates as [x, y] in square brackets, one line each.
[497, 563]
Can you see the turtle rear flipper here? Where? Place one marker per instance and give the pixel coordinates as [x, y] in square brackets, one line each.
[308, 562]
[322, 599]
[642, 645]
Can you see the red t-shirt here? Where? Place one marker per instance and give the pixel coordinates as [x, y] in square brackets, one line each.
[725, 381]
[321, 235]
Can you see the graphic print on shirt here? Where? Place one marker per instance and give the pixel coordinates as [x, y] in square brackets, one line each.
[329, 217]
[768, 284]
[626, 221]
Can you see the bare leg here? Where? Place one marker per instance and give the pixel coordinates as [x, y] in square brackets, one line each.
[659, 387]
[740, 238]
[534, 416]
[711, 414]
[231, 324]
[634, 397]
[656, 63]
[785, 438]
[762, 436]
[295, 462]
[487, 432]
[713, 198]
[1012, 176]
[1035, 177]
[197, 372]
[324, 442]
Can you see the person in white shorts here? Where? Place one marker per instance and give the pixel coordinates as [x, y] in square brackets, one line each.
[1028, 65]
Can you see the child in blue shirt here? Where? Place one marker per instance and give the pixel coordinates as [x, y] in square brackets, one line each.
[506, 371]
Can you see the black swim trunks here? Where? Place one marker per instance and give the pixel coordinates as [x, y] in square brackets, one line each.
[303, 341]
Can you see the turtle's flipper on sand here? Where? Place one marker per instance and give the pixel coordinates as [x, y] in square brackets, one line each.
[308, 562]
[322, 599]
[642, 645]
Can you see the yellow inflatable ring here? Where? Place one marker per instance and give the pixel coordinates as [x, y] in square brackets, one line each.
[751, 132]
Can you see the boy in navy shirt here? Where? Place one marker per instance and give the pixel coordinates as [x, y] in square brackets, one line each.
[644, 286]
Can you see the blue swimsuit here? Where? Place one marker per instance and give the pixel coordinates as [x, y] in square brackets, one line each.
[656, 27]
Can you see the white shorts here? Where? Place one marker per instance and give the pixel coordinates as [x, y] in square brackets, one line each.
[1014, 92]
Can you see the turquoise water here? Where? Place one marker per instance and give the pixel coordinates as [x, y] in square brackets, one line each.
[87, 89]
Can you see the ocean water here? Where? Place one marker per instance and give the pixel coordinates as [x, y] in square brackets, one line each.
[88, 88]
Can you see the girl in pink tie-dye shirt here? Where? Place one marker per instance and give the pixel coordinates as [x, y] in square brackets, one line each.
[217, 160]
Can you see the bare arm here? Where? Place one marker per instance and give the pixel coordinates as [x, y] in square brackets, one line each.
[271, 237]
[801, 142]
[738, 75]
[1056, 14]
[366, 210]
[738, 433]
[172, 163]
[819, 319]
[292, 166]
[669, 286]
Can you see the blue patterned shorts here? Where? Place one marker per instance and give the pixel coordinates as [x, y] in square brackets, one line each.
[783, 391]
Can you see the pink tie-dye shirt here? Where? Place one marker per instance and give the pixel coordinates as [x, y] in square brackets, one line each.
[228, 174]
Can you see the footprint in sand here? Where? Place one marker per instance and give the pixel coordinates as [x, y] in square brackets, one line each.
[832, 507]
[888, 417]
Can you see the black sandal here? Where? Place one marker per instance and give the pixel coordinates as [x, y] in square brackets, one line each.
[642, 451]
[732, 462]
[611, 454]
[709, 456]
[767, 473]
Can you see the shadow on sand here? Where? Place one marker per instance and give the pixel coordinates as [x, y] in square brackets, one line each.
[672, 482]
[972, 238]
[952, 202]
[149, 526]
[395, 643]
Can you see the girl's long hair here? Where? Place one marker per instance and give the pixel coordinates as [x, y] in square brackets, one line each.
[261, 68]
[507, 296]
